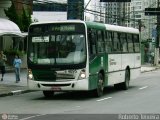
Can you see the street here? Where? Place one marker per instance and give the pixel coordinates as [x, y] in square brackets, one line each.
[141, 97]
[71, 45]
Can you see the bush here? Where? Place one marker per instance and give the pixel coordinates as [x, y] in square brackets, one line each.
[13, 52]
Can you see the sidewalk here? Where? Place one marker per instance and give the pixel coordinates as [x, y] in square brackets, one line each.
[9, 87]
[148, 67]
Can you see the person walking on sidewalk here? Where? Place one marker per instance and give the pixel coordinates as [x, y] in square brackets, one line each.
[3, 59]
[17, 64]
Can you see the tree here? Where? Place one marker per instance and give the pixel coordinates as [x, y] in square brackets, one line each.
[12, 14]
[22, 20]
[26, 20]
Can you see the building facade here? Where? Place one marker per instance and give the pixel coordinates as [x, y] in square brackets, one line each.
[11, 37]
[131, 14]
[116, 13]
[144, 23]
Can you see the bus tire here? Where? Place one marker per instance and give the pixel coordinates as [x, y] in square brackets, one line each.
[48, 94]
[100, 85]
[125, 84]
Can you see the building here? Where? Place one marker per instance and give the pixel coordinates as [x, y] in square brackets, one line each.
[131, 14]
[49, 11]
[94, 10]
[11, 37]
[138, 19]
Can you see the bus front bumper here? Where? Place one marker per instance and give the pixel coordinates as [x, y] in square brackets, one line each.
[76, 85]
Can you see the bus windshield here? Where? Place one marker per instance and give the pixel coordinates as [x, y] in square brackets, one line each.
[57, 48]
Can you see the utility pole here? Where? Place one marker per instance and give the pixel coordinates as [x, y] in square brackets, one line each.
[156, 58]
[124, 11]
[85, 9]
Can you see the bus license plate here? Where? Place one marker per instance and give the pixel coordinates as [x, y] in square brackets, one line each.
[55, 88]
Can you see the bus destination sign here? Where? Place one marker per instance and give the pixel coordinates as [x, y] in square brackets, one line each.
[64, 28]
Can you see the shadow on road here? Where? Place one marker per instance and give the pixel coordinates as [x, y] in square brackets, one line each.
[82, 95]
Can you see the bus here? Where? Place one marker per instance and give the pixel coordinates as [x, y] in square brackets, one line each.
[77, 55]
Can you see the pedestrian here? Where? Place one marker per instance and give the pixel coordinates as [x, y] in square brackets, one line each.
[3, 59]
[152, 58]
[17, 64]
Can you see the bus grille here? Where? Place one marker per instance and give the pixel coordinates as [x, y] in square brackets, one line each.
[60, 85]
[52, 77]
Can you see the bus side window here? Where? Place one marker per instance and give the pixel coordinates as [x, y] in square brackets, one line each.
[130, 43]
[136, 43]
[92, 42]
[116, 43]
[108, 41]
[100, 41]
[123, 42]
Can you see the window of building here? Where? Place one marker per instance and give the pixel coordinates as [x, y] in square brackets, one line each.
[138, 3]
[137, 7]
[138, 16]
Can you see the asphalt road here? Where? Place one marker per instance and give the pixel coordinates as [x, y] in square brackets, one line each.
[143, 97]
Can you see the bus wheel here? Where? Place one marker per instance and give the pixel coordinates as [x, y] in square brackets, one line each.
[125, 84]
[48, 94]
[100, 86]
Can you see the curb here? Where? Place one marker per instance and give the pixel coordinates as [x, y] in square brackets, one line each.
[150, 70]
[16, 92]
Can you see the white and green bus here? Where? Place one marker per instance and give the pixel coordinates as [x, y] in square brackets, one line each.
[77, 55]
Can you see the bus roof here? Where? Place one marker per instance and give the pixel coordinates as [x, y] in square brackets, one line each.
[115, 28]
[121, 29]
[97, 25]
[67, 21]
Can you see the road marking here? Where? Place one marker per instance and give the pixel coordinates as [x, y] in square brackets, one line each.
[32, 117]
[103, 99]
[143, 87]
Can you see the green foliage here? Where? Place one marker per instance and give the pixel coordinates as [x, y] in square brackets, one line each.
[12, 14]
[23, 21]
[26, 20]
[13, 52]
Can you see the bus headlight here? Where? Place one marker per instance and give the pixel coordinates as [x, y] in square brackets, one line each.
[30, 75]
[82, 74]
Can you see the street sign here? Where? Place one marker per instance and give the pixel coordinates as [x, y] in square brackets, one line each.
[152, 11]
[115, 0]
[153, 40]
